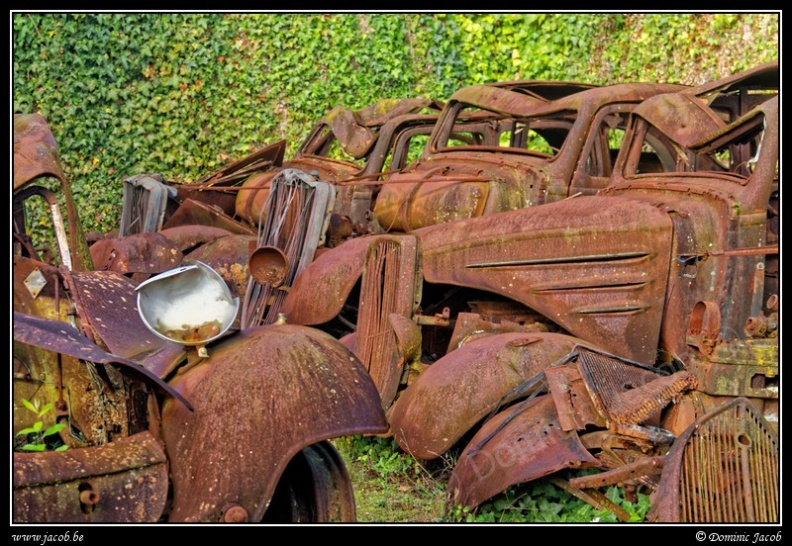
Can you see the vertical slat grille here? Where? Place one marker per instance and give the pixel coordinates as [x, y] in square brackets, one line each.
[730, 470]
[294, 223]
[387, 287]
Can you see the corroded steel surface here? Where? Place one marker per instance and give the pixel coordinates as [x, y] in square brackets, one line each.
[192, 212]
[336, 272]
[295, 385]
[228, 256]
[188, 237]
[109, 304]
[723, 468]
[576, 410]
[137, 253]
[35, 150]
[387, 288]
[61, 337]
[455, 392]
[519, 444]
[577, 261]
[120, 482]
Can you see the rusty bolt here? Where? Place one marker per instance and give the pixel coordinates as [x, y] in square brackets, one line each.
[235, 514]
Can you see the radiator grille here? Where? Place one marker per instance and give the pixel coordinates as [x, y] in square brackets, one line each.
[387, 287]
[729, 470]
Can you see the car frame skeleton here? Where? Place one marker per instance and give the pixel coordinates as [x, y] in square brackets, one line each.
[596, 331]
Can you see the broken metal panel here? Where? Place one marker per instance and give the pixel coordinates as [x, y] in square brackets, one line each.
[300, 385]
[470, 326]
[627, 393]
[723, 468]
[144, 202]
[192, 212]
[575, 408]
[457, 391]
[520, 444]
[109, 308]
[388, 287]
[60, 337]
[120, 482]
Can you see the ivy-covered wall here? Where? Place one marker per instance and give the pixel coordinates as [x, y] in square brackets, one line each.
[185, 93]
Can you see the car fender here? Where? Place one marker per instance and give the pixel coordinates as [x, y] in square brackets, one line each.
[320, 291]
[261, 397]
[464, 386]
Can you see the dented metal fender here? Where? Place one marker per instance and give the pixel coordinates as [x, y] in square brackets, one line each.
[320, 291]
[463, 387]
[260, 398]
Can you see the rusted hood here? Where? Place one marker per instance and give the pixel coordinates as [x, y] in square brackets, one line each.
[260, 398]
[457, 186]
[597, 266]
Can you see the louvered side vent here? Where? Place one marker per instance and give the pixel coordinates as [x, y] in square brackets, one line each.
[388, 286]
[730, 469]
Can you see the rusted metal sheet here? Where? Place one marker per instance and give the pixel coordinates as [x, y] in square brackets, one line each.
[723, 468]
[577, 261]
[576, 411]
[388, 288]
[458, 390]
[108, 304]
[470, 326]
[189, 237]
[336, 272]
[519, 444]
[295, 380]
[140, 253]
[192, 212]
[627, 393]
[121, 482]
[229, 257]
[62, 338]
[35, 150]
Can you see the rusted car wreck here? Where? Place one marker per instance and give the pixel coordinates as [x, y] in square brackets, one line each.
[213, 424]
[633, 330]
[569, 277]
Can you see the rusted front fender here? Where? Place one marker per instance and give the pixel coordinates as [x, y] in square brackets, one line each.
[319, 292]
[260, 398]
[520, 444]
[460, 389]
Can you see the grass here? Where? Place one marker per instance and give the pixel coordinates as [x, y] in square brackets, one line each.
[393, 487]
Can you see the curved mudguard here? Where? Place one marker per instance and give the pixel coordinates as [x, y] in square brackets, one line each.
[520, 444]
[320, 291]
[260, 398]
[464, 386]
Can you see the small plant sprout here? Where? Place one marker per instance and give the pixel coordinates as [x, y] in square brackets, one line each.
[36, 436]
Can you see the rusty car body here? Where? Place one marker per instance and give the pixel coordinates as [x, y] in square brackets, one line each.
[597, 331]
[555, 139]
[234, 428]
